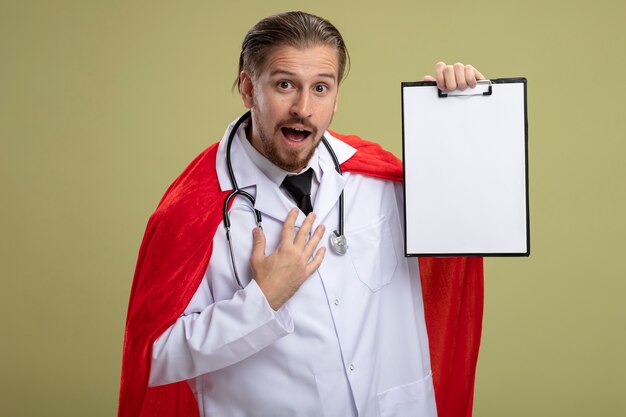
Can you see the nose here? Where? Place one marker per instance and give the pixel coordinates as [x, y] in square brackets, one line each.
[301, 106]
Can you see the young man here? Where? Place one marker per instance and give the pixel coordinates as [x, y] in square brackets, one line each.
[280, 320]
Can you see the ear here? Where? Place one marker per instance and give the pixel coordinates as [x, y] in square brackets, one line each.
[247, 89]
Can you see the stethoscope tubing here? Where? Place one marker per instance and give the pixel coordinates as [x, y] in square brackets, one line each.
[337, 234]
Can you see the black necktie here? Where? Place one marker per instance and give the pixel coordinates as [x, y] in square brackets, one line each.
[299, 187]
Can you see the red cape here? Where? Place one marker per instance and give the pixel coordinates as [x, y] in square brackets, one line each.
[174, 255]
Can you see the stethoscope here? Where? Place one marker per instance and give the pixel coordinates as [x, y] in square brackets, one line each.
[338, 241]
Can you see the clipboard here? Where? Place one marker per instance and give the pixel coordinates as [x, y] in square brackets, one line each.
[465, 160]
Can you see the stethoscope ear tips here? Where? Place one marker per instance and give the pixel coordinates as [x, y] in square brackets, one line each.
[338, 243]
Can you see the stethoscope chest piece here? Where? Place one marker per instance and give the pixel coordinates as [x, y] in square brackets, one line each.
[338, 243]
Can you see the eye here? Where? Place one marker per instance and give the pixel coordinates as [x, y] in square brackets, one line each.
[321, 88]
[285, 85]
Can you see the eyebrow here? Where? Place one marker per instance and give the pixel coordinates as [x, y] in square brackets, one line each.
[292, 74]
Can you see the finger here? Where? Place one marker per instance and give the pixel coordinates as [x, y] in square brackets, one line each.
[305, 231]
[439, 69]
[459, 76]
[258, 245]
[470, 76]
[288, 229]
[429, 78]
[314, 241]
[449, 78]
[315, 262]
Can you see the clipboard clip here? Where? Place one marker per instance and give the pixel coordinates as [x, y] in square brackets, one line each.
[483, 88]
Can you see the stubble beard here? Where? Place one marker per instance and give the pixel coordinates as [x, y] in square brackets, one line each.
[291, 161]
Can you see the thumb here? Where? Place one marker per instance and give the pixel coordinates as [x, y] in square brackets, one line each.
[428, 78]
[258, 244]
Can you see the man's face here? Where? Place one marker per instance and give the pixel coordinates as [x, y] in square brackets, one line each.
[293, 100]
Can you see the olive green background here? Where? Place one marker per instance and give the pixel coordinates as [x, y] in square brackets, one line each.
[103, 103]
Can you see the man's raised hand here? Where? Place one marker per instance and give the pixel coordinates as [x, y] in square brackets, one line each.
[451, 77]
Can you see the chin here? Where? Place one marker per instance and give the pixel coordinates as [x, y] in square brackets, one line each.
[291, 161]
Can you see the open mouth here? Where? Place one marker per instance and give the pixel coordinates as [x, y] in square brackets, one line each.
[295, 134]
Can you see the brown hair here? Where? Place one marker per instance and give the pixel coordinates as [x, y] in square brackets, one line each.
[297, 29]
